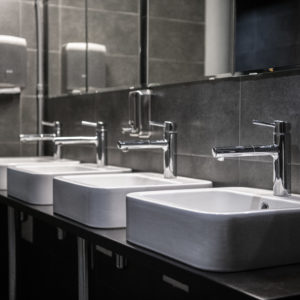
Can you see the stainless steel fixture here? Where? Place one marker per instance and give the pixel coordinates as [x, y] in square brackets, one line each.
[279, 151]
[56, 125]
[168, 144]
[99, 141]
[139, 114]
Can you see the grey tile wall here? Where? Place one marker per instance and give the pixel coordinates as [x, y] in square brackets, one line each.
[208, 113]
[176, 40]
[18, 114]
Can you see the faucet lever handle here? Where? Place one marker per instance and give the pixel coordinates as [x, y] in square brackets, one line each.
[157, 124]
[50, 124]
[265, 124]
[89, 124]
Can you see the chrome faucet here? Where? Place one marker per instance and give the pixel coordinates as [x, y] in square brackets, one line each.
[168, 144]
[56, 125]
[279, 151]
[99, 141]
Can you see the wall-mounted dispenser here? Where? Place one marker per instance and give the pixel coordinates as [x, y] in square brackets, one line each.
[74, 67]
[13, 62]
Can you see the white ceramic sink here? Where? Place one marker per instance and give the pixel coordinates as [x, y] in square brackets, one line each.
[6, 162]
[99, 201]
[34, 183]
[221, 229]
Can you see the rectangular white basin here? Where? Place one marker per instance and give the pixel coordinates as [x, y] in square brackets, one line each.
[99, 201]
[221, 229]
[34, 183]
[6, 162]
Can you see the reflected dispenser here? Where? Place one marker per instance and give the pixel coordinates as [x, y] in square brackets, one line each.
[74, 67]
[13, 62]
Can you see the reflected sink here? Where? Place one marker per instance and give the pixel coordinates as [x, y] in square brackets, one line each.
[99, 201]
[221, 229]
[6, 162]
[34, 183]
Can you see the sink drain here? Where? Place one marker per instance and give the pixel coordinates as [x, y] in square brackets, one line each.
[264, 205]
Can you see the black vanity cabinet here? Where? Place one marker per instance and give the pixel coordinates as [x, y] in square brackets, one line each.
[3, 253]
[46, 266]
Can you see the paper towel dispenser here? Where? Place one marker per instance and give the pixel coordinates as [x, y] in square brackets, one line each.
[74, 58]
[13, 63]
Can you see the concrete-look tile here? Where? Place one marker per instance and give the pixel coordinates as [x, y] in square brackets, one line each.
[10, 17]
[54, 28]
[9, 149]
[163, 71]
[138, 160]
[206, 113]
[30, 88]
[28, 149]
[224, 173]
[72, 25]
[176, 40]
[118, 32]
[73, 3]
[190, 10]
[9, 118]
[256, 174]
[295, 178]
[112, 108]
[83, 153]
[71, 111]
[28, 25]
[114, 5]
[268, 99]
[122, 71]
[54, 74]
[28, 115]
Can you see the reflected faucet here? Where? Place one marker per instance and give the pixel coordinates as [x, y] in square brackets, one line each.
[168, 144]
[99, 141]
[279, 151]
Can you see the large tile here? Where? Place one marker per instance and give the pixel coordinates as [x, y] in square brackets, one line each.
[53, 28]
[30, 88]
[190, 10]
[206, 114]
[122, 71]
[256, 174]
[163, 71]
[9, 149]
[54, 74]
[28, 25]
[112, 108]
[174, 40]
[138, 160]
[295, 178]
[268, 99]
[10, 18]
[114, 5]
[224, 173]
[28, 115]
[72, 23]
[118, 32]
[9, 118]
[73, 3]
[71, 111]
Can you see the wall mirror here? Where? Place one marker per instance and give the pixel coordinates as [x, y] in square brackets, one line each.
[100, 44]
[197, 39]
[93, 45]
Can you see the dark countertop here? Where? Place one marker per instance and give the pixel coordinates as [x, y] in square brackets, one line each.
[271, 283]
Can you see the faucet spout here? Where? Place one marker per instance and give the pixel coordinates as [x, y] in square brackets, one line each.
[168, 144]
[279, 151]
[245, 151]
[125, 146]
